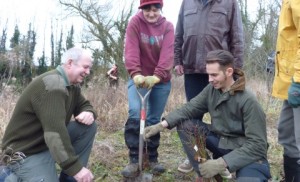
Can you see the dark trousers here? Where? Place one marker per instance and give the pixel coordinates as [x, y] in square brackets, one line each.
[194, 84]
[41, 166]
[258, 171]
[82, 138]
[132, 132]
[291, 168]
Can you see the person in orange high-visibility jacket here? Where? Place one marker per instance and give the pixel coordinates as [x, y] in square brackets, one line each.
[286, 86]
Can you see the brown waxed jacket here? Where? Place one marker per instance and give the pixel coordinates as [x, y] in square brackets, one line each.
[203, 28]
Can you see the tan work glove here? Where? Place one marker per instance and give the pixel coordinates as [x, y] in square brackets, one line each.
[153, 130]
[138, 80]
[150, 81]
[210, 168]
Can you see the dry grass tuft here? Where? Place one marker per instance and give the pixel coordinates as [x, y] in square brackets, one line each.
[8, 98]
[110, 104]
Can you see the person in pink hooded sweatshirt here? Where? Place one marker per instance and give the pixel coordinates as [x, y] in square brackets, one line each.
[149, 57]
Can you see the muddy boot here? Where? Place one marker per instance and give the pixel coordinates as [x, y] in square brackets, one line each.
[291, 169]
[131, 170]
[156, 168]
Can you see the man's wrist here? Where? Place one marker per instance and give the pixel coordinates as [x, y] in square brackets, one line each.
[164, 123]
[223, 161]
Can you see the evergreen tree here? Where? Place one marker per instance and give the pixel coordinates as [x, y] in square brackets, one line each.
[15, 40]
[28, 45]
[59, 50]
[70, 39]
[42, 68]
[3, 41]
[15, 50]
[52, 48]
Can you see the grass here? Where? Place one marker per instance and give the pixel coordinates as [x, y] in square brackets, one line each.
[110, 154]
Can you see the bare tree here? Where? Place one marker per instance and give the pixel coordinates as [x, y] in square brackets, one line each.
[103, 26]
[260, 32]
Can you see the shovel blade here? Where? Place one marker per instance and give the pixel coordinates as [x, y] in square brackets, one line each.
[142, 177]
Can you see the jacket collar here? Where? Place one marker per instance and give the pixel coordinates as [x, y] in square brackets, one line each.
[63, 74]
[240, 82]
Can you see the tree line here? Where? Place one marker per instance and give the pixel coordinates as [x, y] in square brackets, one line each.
[106, 26]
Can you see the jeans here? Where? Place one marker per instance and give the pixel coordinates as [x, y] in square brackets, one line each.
[155, 105]
[4, 172]
[258, 171]
[41, 166]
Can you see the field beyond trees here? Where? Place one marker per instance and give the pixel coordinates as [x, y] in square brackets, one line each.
[110, 154]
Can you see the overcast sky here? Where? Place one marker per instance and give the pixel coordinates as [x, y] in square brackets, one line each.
[42, 12]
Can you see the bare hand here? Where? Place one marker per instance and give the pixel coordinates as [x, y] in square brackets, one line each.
[84, 175]
[85, 117]
[179, 70]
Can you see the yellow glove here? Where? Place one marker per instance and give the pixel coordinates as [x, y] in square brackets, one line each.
[139, 80]
[150, 81]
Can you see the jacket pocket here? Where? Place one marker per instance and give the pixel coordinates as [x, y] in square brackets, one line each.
[231, 142]
[190, 18]
[218, 18]
[286, 60]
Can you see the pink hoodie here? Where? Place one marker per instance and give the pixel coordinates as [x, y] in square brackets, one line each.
[149, 47]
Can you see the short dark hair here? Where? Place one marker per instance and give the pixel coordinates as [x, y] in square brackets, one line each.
[224, 58]
[156, 5]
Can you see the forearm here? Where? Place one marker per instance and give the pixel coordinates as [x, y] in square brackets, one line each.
[84, 105]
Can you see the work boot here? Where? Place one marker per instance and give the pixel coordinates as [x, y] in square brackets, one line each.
[131, 170]
[156, 168]
[185, 167]
[291, 169]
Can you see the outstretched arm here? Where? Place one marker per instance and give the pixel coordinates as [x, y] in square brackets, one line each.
[155, 129]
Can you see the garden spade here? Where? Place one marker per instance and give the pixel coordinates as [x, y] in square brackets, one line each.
[143, 177]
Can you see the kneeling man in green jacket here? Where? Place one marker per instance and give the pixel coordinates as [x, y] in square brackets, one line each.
[52, 123]
[237, 134]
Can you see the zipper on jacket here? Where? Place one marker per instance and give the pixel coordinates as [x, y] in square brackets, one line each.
[276, 57]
